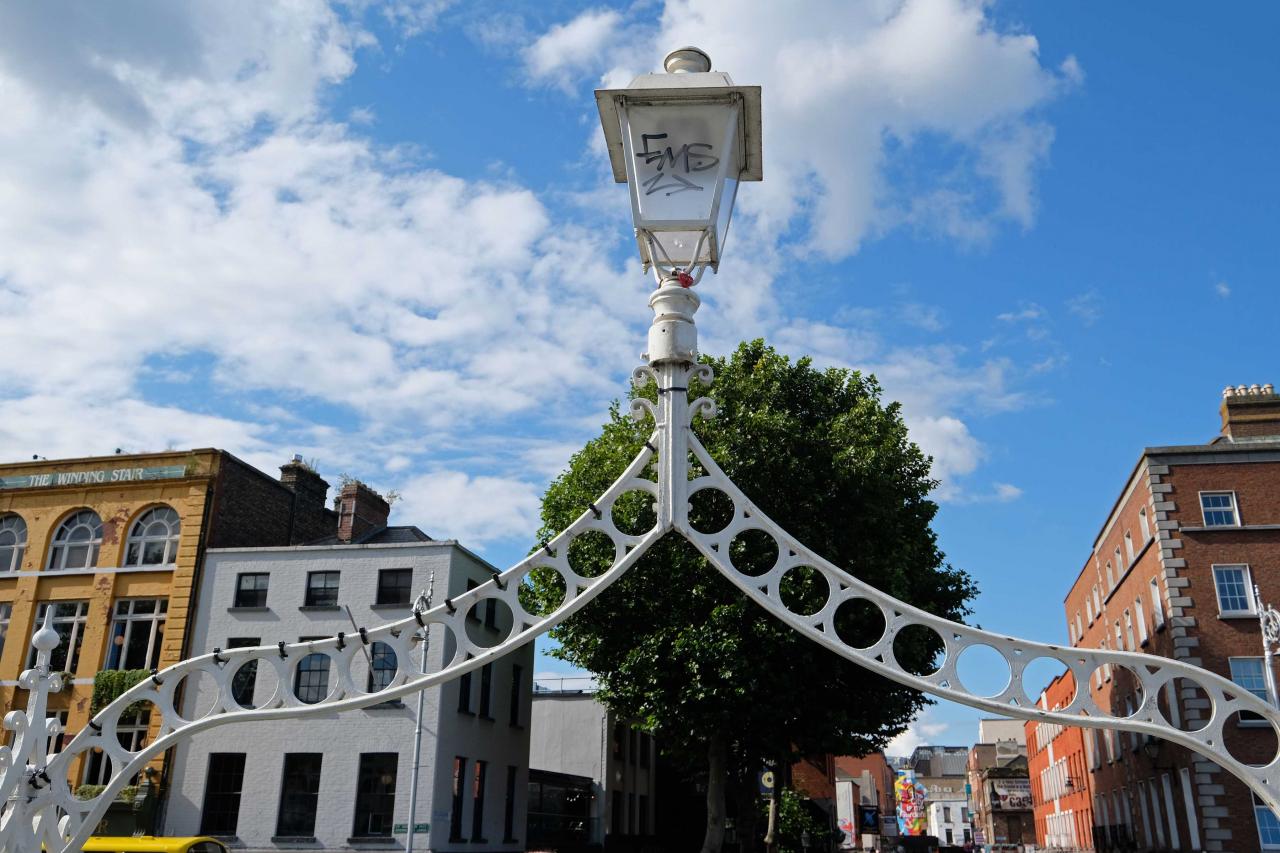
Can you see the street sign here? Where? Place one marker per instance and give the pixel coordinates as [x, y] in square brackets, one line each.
[403, 828]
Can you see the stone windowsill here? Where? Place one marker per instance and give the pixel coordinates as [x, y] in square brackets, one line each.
[380, 842]
[234, 609]
[405, 606]
[320, 608]
[307, 840]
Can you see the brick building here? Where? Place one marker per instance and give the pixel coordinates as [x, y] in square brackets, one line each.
[114, 545]
[1058, 767]
[1172, 573]
[863, 783]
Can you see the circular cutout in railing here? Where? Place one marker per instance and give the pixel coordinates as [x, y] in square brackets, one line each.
[633, 513]
[1250, 738]
[804, 590]
[1121, 692]
[859, 623]
[710, 510]
[199, 692]
[312, 681]
[983, 671]
[591, 554]
[919, 650]
[97, 773]
[753, 552]
[253, 683]
[383, 663]
[541, 591]
[1184, 704]
[1042, 674]
[488, 622]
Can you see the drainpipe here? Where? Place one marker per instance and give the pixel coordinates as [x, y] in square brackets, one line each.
[423, 603]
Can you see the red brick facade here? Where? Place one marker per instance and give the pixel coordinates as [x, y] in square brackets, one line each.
[1059, 773]
[1171, 574]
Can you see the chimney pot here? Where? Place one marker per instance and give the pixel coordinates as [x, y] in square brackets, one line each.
[1250, 412]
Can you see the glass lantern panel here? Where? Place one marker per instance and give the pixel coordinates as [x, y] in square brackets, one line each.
[676, 248]
[677, 158]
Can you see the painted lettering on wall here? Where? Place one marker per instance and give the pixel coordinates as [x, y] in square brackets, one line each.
[99, 476]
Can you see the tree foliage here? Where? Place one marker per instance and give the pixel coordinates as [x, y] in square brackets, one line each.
[675, 645]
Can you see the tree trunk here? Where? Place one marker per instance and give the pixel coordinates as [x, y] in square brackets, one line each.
[717, 770]
[775, 799]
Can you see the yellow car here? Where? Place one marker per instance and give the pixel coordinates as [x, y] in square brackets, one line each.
[153, 844]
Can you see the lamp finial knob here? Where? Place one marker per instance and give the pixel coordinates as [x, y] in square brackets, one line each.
[683, 60]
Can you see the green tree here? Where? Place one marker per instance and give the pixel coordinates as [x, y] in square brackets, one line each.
[727, 688]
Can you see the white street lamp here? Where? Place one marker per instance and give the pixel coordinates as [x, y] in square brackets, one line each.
[682, 141]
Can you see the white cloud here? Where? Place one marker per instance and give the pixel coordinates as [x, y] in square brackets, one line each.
[922, 731]
[1087, 306]
[571, 48]
[175, 188]
[1024, 314]
[474, 510]
[1222, 289]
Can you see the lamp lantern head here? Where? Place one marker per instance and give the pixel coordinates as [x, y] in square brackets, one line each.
[682, 140]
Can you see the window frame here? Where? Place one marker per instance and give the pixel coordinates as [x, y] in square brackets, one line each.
[206, 828]
[377, 655]
[295, 791]
[1141, 618]
[310, 596]
[383, 588]
[60, 547]
[6, 614]
[363, 776]
[16, 526]
[479, 786]
[310, 671]
[485, 711]
[514, 698]
[1249, 719]
[236, 601]
[1235, 507]
[457, 798]
[78, 620]
[125, 626]
[1246, 580]
[168, 542]
[1157, 605]
[1275, 844]
[249, 670]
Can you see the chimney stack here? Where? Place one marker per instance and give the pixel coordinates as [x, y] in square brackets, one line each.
[360, 510]
[1250, 412]
[310, 519]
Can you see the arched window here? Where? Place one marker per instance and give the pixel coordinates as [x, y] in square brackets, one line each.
[13, 542]
[75, 544]
[153, 541]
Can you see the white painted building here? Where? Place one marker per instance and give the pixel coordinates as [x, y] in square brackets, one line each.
[341, 781]
[949, 820]
[576, 736]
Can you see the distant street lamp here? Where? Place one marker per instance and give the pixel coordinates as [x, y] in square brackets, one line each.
[682, 140]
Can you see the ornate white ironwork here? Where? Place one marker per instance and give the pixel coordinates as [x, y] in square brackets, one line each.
[40, 808]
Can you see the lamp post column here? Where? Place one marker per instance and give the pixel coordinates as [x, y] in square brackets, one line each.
[673, 352]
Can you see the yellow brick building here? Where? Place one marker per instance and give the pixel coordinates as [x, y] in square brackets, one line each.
[114, 545]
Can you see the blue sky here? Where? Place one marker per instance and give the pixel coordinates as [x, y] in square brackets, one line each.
[383, 236]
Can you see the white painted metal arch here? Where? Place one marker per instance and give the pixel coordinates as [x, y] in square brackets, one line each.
[40, 807]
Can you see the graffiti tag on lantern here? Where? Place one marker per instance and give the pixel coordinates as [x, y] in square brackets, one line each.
[673, 165]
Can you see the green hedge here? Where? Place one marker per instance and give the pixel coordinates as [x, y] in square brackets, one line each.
[110, 684]
[88, 792]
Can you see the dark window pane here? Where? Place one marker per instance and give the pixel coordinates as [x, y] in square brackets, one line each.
[242, 683]
[383, 670]
[375, 795]
[517, 675]
[251, 590]
[299, 794]
[486, 690]
[477, 800]
[464, 693]
[455, 807]
[222, 793]
[394, 586]
[509, 814]
[311, 681]
[322, 589]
